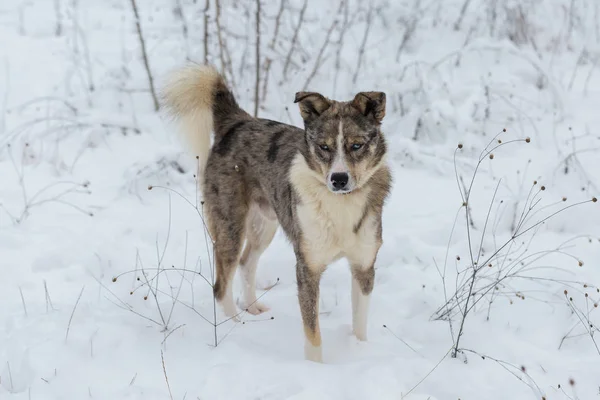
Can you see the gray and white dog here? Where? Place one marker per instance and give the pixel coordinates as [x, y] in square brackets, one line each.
[325, 185]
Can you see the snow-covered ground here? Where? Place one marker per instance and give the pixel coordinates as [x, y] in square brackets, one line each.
[81, 142]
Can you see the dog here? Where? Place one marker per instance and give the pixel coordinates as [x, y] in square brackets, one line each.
[325, 185]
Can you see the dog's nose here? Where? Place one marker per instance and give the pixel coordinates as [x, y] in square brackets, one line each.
[339, 180]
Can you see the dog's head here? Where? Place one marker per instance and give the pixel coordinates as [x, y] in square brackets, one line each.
[345, 142]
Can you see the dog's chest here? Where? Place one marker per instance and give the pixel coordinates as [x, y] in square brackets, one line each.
[334, 226]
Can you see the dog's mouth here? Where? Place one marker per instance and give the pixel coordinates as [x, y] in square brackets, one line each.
[340, 191]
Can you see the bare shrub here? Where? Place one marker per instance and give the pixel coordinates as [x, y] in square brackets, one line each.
[484, 275]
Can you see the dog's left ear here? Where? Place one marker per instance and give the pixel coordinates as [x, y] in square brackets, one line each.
[311, 104]
[370, 104]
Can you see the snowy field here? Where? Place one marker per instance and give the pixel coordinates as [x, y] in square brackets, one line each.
[105, 285]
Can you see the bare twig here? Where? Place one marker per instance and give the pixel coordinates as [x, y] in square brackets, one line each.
[427, 375]
[206, 36]
[73, 313]
[23, 301]
[48, 299]
[171, 332]
[58, 30]
[138, 27]
[288, 58]
[162, 357]
[338, 53]
[320, 55]
[180, 13]
[272, 44]
[361, 50]
[257, 67]
[220, 34]
[463, 10]
[10, 378]
[409, 29]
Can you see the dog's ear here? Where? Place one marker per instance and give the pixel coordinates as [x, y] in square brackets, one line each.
[311, 104]
[370, 104]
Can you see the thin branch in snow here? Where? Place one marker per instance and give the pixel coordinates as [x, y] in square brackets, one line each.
[180, 13]
[257, 66]
[288, 58]
[463, 11]
[361, 50]
[138, 27]
[162, 357]
[58, 30]
[320, 54]
[409, 29]
[73, 313]
[206, 36]
[23, 301]
[47, 295]
[272, 44]
[342, 34]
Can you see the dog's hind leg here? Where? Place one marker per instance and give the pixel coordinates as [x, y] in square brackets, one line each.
[260, 229]
[227, 221]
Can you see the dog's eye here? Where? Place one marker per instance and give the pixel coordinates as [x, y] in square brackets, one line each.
[324, 147]
[356, 146]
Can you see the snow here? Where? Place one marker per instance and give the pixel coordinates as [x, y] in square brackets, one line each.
[67, 331]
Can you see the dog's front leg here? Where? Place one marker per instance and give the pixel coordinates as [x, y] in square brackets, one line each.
[362, 264]
[362, 286]
[308, 278]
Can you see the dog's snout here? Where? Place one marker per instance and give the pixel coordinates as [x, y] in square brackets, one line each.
[339, 180]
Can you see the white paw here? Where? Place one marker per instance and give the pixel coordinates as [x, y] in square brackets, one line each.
[313, 353]
[230, 310]
[257, 308]
[361, 334]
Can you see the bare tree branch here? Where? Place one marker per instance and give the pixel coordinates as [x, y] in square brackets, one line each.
[257, 68]
[145, 54]
[288, 59]
[361, 51]
[206, 37]
[269, 61]
[320, 55]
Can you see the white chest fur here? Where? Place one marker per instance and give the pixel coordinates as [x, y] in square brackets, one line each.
[328, 221]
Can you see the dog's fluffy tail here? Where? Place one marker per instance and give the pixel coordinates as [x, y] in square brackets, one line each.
[197, 97]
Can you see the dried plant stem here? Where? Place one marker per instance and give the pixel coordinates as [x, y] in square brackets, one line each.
[463, 10]
[288, 58]
[338, 53]
[409, 30]
[427, 375]
[73, 313]
[138, 27]
[269, 60]
[257, 67]
[23, 301]
[58, 30]
[206, 36]
[180, 13]
[320, 54]
[162, 357]
[361, 50]
[220, 34]
[48, 299]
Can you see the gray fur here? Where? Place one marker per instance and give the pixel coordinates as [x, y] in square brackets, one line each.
[248, 178]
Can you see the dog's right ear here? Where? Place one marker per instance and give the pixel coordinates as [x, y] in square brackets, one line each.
[311, 104]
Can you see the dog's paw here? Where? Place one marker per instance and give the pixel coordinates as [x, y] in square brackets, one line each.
[257, 308]
[230, 311]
